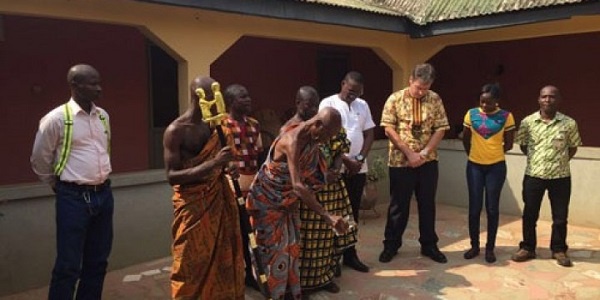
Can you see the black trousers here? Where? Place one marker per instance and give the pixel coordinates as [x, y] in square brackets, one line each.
[355, 185]
[404, 182]
[559, 193]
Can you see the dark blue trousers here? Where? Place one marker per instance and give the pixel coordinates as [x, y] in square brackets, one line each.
[485, 180]
[84, 233]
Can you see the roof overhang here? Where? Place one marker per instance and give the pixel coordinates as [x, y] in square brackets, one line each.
[546, 14]
[299, 11]
[335, 15]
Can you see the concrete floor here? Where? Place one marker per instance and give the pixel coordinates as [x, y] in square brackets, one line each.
[411, 276]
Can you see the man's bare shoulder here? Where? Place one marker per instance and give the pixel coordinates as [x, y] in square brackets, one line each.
[291, 138]
[176, 127]
[187, 136]
[184, 124]
[183, 128]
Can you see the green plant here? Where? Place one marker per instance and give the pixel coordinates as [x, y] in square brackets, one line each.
[377, 169]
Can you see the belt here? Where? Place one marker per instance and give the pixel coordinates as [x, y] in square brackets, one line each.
[87, 187]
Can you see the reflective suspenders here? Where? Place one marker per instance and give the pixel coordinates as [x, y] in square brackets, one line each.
[68, 137]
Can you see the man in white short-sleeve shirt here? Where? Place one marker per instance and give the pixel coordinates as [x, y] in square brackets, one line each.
[358, 123]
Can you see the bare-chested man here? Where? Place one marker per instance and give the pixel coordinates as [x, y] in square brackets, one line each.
[293, 171]
[307, 105]
[207, 260]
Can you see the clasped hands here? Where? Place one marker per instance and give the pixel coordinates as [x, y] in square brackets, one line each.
[417, 159]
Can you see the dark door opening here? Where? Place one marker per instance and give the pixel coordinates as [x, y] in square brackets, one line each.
[331, 68]
[164, 99]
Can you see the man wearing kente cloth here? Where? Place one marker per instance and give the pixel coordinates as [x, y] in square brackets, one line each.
[321, 248]
[294, 170]
[245, 132]
[207, 247]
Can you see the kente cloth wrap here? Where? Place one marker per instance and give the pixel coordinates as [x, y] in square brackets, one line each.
[273, 209]
[207, 247]
[321, 249]
[247, 146]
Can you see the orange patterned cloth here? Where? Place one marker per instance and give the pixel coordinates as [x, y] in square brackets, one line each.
[207, 247]
[273, 209]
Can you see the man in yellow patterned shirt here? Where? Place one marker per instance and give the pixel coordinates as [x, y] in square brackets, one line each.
[549, 139]
[415, 122]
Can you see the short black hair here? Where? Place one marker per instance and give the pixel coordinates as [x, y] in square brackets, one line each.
[493, 89]
[354, 76]
[231, 92]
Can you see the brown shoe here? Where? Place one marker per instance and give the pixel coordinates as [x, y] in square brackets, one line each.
[562, 259]
[523, 255]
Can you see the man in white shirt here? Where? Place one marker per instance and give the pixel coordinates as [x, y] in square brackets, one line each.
[71, 154]
[358, 123]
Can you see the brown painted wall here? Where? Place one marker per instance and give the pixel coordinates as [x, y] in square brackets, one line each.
[34, 59]
[273, 70]
[522, 67]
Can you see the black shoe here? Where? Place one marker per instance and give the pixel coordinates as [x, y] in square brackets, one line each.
[387, 255]
[490, 257]
[337, 270]
[332, 288]
[355, 263]
[471, 253]
[435, 254]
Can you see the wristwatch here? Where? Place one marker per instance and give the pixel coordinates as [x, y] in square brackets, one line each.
[360, 158]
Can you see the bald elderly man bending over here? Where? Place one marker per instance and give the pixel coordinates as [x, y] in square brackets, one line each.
[294, 170]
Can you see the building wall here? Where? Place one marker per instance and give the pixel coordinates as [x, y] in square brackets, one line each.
[585, 192]
[522, 68]
[274, 69]
[452, 184]
[34, 59]
[195, 38]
